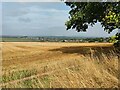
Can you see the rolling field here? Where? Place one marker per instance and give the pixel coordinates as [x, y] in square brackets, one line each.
[59, 65]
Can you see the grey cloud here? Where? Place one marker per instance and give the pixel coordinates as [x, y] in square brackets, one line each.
[41, 19]
[26, 20]
[15, 12]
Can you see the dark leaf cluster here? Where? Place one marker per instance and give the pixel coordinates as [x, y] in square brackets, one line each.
[83, 14]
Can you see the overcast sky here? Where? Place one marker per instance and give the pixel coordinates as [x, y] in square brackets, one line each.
[41, 19]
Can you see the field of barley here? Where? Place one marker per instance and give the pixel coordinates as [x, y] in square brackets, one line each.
[59, 65]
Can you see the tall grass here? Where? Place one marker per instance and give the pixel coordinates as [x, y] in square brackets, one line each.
[95, 70]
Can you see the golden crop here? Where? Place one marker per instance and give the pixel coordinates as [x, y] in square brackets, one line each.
[59, 65]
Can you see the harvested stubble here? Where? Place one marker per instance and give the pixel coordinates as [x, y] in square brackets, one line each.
[59, 65]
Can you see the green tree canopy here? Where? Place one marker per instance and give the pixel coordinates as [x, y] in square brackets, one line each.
[83, 14]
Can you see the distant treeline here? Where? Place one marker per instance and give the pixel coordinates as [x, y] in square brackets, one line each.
[54, 39]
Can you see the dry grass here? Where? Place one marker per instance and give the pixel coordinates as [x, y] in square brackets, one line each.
[59, 65]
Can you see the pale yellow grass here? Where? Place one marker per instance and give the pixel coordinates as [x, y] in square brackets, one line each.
[65, 65]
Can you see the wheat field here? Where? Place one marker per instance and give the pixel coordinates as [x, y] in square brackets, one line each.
[59, 65]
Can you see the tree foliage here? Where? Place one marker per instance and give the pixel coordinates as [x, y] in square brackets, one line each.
[112, 39]
[84, 14]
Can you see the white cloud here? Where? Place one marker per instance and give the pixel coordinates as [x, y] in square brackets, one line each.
[35, 19]
[31, 0]
[43, 18]
[50, 10]
[13, 11]
[0, 19]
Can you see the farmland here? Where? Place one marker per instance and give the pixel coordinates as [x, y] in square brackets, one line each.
[59, 65]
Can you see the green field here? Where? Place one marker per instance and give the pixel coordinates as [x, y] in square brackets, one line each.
[12, 39]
